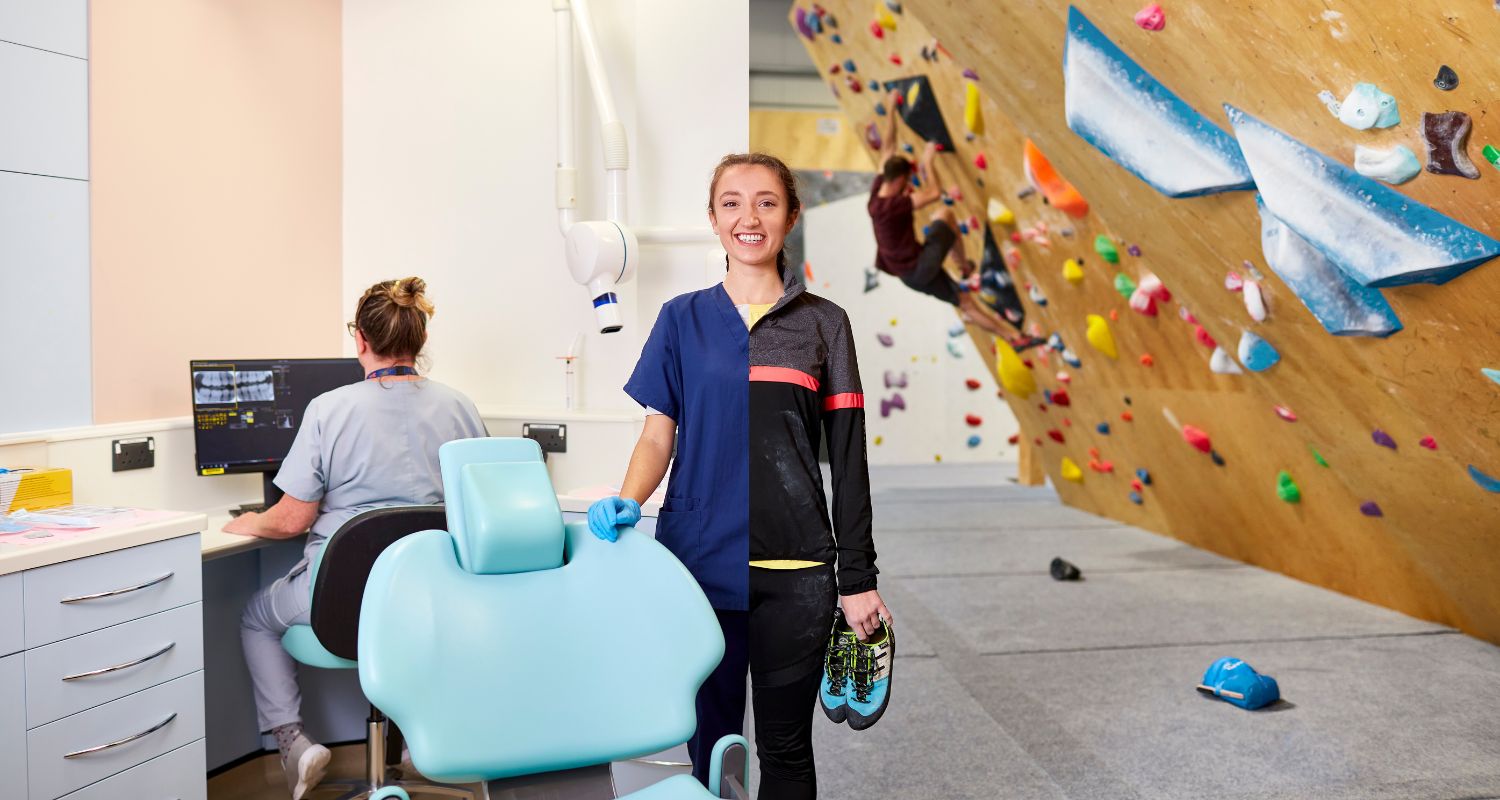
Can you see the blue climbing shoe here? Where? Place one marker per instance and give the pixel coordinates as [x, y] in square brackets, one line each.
[870, 678]
[833, 691]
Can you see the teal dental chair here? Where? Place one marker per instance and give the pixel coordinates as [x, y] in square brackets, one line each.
[526, 654]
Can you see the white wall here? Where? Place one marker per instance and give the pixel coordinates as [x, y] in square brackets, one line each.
[449, 149]
[840, 245]
[44, 214]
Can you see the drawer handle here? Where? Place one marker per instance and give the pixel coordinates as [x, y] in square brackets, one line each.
[116, 743]
[111, 593]
[118, 667]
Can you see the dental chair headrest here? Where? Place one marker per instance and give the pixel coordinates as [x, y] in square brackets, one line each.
[502, 510]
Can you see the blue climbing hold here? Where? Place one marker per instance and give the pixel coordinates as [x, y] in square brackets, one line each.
[1055, 342]
[1236, 682]
[880, 109]
[1103, 428]
[1135, 497]
[974, 440]
[926, 229]
[1144, 476]
[1486, 482]
[815, 22]
[837, 39]
[1256, 353]
[947, 201]
[874, 86]
[849, 65]
[906, 146]
[1492, 374]
[963, 228]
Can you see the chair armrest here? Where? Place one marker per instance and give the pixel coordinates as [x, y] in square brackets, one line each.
[723, 756]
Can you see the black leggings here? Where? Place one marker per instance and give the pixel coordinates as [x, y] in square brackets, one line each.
[781, 640]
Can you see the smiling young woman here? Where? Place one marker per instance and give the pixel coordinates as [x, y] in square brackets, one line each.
[745, 507]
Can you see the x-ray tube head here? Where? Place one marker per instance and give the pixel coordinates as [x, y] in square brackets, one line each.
[602, 255]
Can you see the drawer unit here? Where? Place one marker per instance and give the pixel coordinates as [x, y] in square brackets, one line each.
[12, 627]
[12, 724]
[87, 747]
[77, 597]
[90, 670]
[178, 775]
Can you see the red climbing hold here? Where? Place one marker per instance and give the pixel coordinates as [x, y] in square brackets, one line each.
[1060, 398]
[1114, 315]
[1015, 438]
[972, 384]
[875, 29]
[854, 85]
[1101, 466]
[1127, 416]
[1135, 483]
[1197, 438]
[1038, 441]
[1147, 360]
[835, 69]
[1201, 334]
[1151, 18]
[1285, 413]
[973, 420]
[980, 161]
[896, 59]
[1015, 236]
[1056, 435]
[1428, 442]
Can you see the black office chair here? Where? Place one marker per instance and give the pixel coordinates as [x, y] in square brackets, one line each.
[332, 640]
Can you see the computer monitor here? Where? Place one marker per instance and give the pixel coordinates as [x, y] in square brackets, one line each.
[246, 412]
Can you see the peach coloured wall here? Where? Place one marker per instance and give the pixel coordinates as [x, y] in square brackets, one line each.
[215, 147]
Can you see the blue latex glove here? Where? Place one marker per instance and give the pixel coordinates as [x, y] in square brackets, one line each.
[608, 515]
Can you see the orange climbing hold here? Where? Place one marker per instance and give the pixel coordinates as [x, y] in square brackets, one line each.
[1059, 193]
[807, 270]
[1147, 360]
[1127, 416]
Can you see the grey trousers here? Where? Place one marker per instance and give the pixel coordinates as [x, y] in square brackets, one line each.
[273, 673]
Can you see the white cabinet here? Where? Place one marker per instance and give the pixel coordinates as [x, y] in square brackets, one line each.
[109, 690]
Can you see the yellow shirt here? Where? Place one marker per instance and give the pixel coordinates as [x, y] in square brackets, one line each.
[752, 312]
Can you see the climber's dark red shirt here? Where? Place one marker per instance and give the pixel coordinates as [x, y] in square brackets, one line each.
[896, 247]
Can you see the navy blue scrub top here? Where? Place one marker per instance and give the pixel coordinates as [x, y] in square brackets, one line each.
[694, 368]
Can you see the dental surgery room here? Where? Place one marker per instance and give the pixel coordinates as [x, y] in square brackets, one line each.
[594, 399]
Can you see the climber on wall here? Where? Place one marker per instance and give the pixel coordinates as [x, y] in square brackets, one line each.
[893, 205]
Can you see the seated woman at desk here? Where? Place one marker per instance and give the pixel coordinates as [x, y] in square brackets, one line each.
[362, 446]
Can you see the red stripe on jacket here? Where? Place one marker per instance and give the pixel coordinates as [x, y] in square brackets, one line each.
[847, 400]
[784, 375]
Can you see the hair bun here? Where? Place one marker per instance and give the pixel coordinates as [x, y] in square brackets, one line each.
[410, 293]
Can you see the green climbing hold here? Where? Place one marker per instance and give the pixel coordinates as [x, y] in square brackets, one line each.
[1317, 457]
[1124, 285]
[1286, 488]
[1491, 155]
[1106, 249]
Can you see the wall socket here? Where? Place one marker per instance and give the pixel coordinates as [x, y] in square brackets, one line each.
[133, 453]
[552, 438]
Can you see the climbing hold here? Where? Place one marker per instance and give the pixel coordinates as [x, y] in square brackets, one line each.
[956, 330]
[973, 117]
[884, 18]
[1142, 302]
[1071, 358]
[1329, 102]
[1396, 165]
[905, 146]
[1486, 482]
[1447, 138]
[803, 26]
[872, 136]
[963, 227]
[1073, 271]
[1143, 475]
[1369, 507]
[875, 29]
[1124, 285]
[998, 213]
[837, 39]
[1367, 107]
[1100, 337]
[1446, 79]
[1114, 315]
[807, 270]
[1285, 413]
[1063, 377]
[1060, 398]
[973, 420]
[953, 350]
[1147, 360]
[1197, 438]
[1058, 192]
[1135, 497]
[971, 383]
[872, 280]
[892, 380]
[1491, 155]
[974, 440]
[1055, 342]
[1106, 249]
[1233, 282]
[1101, 466]
[980, 162]
[1492, 374]
[1070, 471]
[1255, 302]
[854, 84]
[1102, 428]
[1055, 435]
[1256, 353]
[836, 69]
[1382, 438]
[879, 440]
[896, 59]
[1286, 488]
[1221, 363]
[1014, 375]
[938, 457]
[1134, 250]
[1127, 416]
[1317, 457]
[885, 339]
[1014, 438]
[1036, 295]
[1151, 18]
[1201, 335]
[1218, 459]
[1428, 442]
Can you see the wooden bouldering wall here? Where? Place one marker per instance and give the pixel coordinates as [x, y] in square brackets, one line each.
[1432, 552]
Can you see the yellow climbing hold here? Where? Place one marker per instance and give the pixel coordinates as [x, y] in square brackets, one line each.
[884, 17]
[1099, 336]
[1014, 375]
[878, 440]
[893, 322]
[1070, 471]
[973, 117]
[999, 214]
[916, 91]
[1073, 271]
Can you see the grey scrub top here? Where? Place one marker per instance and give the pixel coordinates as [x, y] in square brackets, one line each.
[373, 444]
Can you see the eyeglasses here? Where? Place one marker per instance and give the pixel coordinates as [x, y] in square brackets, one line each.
[352, 326]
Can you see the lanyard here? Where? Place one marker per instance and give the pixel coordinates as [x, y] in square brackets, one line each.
[383, 372]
